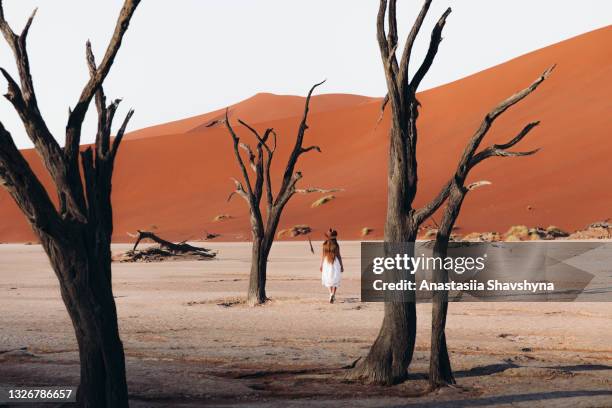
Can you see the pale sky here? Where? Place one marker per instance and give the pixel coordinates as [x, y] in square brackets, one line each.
[186, 57]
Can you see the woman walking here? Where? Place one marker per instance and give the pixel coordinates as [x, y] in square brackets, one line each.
[331, 264]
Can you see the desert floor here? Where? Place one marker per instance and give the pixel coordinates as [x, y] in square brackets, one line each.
[190, 341]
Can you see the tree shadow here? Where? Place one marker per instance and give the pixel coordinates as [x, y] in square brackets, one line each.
[501, 367]
[583, 367]
[485, 370]
[505, 399]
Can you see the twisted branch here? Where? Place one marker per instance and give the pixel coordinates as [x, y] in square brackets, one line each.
[469, 158]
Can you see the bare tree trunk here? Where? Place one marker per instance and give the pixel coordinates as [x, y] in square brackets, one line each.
[392, 351]
[389, 357]
[257, 279]
[440, 370]
[91, 306]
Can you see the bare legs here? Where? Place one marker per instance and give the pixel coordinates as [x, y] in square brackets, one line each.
[332, 293]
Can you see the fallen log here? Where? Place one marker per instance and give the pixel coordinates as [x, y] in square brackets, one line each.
[164, 250]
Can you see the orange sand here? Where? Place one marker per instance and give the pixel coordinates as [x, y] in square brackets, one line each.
[175, 178]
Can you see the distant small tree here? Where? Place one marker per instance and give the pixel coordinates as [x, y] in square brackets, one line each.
[260, 160]
[391, 353]
[77, 235]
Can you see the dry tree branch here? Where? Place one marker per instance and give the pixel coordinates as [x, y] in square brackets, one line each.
[469, 157]
[407, 54]
[250, 154]
[392, 37]
[261, 139]
[388, 58]
[262, 166]
[478, 184]
[24, 101]
[236, 140]
[120, 133]
[240, 191]
[436, 38]
[289, 176]
[77, 115]
[317, 190]
[383, 105]
[269, 193]
[380, 30]
[18, 46]
[496, 112]
[28, 192]
[106, 114]
[307, 149]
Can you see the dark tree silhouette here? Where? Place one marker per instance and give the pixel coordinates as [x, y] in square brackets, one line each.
[260, 161]
[440, 370]
[77, 235]
[389, 357]
[388, 360]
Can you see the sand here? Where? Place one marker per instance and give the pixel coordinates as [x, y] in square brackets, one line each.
[175, 178]
[190, 342]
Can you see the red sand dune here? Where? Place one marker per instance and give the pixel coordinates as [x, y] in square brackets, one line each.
[175, 178]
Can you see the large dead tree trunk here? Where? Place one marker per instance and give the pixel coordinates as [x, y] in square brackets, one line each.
[257, 278]
[390, 355]
[440, 370]
[260, 160]
[77, 236]
[94, 316]
[388, 360]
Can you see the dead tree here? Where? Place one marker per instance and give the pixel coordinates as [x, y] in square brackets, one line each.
[389, 357]
[440, 369]
[391, 354]
[252, 192]
[165, 249]
[76, 236]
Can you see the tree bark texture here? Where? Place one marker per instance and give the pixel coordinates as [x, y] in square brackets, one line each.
[76, 236]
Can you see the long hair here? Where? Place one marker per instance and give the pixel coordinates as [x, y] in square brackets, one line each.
[330, 246]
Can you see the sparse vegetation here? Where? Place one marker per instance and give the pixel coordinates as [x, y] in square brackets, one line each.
[323, 200]
[295, 231]
[222, 217]
[365, 231]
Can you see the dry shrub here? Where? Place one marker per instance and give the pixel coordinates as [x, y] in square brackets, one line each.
[365, 231]
[295, 231]
[323, 200]
[222, 217]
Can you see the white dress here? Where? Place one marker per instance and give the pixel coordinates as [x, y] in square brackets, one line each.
[332, 273]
